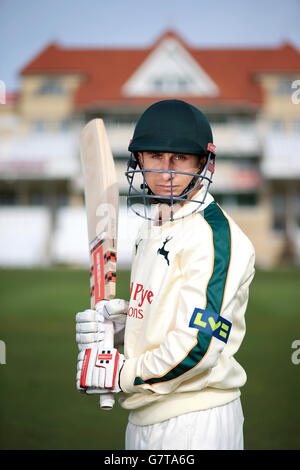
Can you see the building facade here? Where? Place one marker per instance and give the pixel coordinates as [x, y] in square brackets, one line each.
[250, 96]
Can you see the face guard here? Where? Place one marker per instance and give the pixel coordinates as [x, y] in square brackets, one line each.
[144, 203]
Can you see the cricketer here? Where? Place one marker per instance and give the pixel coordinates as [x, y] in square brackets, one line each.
[191, 271]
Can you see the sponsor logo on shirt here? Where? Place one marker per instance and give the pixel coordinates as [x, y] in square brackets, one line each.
[139, 296]
[211, 323]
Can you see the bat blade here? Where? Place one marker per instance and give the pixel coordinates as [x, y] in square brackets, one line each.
[102, 207]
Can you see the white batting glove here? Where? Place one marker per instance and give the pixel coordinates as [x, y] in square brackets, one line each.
[98, 370]
[90, 329]
[115, 310]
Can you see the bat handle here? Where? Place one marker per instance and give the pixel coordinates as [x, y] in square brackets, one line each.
[107, 400]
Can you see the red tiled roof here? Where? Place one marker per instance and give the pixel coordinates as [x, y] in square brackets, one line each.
[105, 71]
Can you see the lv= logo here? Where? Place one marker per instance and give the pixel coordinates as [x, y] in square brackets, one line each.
[211, 323]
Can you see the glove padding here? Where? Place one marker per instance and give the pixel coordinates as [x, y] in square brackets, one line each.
[98, 370]
[115, 310]
[90, 329]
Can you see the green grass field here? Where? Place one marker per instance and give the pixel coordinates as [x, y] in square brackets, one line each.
[41, 409]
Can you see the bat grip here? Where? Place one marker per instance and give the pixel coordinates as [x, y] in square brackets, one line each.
[107, 400]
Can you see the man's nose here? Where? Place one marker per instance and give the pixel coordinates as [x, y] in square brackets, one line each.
[166, 166]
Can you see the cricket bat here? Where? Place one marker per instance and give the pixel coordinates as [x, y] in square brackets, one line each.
[102, 207]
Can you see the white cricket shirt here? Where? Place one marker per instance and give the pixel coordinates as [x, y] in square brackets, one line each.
[186, 320]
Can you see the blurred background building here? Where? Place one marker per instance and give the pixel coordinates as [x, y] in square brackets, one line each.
[251, 96]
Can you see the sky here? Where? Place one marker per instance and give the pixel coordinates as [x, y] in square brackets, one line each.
[27, 27]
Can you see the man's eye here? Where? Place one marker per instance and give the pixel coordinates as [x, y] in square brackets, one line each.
[180, 157]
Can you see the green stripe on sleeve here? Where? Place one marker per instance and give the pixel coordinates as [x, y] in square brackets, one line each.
[222, 248]
[214, 294]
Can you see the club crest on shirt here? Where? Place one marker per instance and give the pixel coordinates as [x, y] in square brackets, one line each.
[211, 323]
[163, 252]
[137, 243]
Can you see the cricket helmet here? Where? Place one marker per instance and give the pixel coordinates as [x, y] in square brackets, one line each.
[172, 126]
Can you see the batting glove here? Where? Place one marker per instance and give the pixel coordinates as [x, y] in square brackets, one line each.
[98, 370]
[90, 329]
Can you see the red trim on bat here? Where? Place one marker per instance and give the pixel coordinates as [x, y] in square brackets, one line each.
[110, 256]
[85, 367]
[99, 274]
[99, 242]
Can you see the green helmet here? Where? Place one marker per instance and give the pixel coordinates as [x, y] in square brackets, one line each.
[172, 126]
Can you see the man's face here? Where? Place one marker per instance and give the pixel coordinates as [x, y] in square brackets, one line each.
[160, 183]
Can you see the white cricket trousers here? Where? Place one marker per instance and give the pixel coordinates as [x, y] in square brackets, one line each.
[219, 428]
